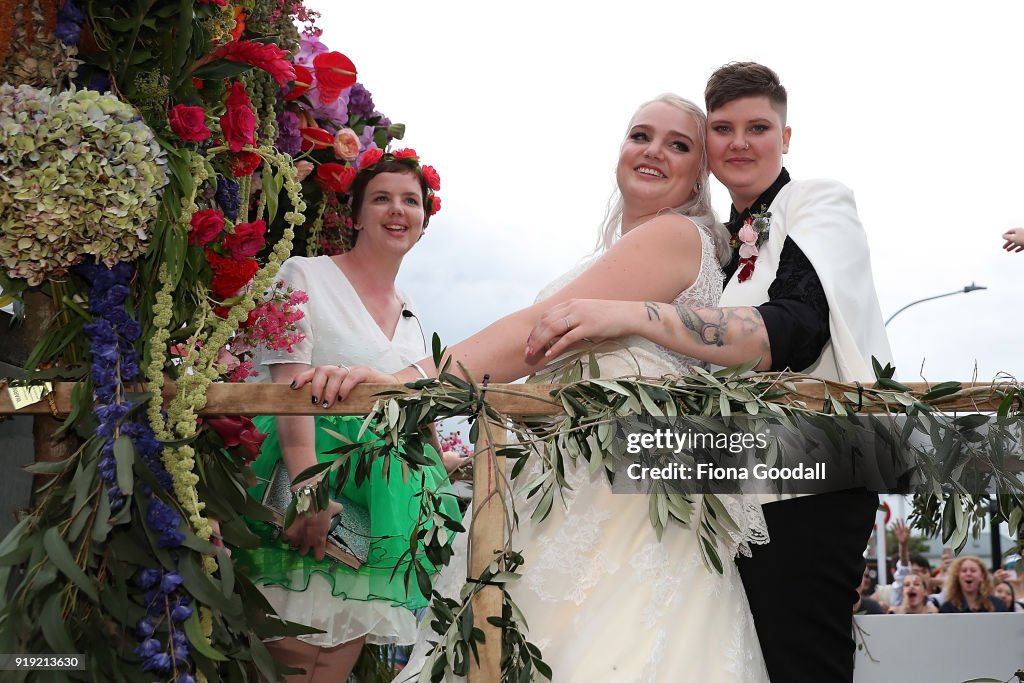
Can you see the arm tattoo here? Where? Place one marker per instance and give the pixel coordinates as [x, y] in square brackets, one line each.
[709, 325]
[710, 332]
[652, 310]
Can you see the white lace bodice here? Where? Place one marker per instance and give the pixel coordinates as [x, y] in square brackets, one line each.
[705, 292]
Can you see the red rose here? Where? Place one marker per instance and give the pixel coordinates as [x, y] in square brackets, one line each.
[245, 163]
[433, 179]
[206, 225]
[247, 239]
[303, 82]
[435, 204]
[335, 177]
[334, 73]
[239, 122]
[188, 123]
[370, 157]
[409, 153]
[315, 138]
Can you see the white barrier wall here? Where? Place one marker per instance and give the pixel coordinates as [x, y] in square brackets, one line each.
[939, 648]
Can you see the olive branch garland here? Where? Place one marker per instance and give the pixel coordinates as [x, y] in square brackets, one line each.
[952, 454]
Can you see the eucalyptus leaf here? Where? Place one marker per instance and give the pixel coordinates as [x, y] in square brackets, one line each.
[58, 553]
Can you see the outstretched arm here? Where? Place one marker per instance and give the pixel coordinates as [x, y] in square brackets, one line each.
[724, 336]
[654, 261]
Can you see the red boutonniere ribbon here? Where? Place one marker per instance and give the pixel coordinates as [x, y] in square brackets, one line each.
[749, 239]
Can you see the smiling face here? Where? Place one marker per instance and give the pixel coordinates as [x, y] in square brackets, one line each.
[746, 141]
[391, 215]
[659, 161]
[914, 591]
[970, 576]
[1004, 593]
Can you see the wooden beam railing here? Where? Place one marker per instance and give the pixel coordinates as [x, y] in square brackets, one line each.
[488, 531]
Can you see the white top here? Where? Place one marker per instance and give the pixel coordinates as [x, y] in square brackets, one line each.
[339, 330]
[345, 332]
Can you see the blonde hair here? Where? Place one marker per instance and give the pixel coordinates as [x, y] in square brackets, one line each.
[956, 596]
[697, 207]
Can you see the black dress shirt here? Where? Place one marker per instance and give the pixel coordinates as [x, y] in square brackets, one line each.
[796, 313]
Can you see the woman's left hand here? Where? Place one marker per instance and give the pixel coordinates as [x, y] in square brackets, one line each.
[576, 320]
[330, 382]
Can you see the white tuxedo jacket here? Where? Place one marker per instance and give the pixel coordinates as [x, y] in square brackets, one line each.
[821, 217]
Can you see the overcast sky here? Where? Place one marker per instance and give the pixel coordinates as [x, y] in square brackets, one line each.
[522, 106]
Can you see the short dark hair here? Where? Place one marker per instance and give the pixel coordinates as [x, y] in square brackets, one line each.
[744, 79]
[919, 560]
[358, 189]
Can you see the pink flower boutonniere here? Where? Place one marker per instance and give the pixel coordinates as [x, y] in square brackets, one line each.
[749, 239]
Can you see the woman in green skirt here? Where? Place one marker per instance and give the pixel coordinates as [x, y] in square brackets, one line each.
[354, 315]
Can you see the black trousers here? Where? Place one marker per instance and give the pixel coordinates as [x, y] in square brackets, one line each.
[802, 585]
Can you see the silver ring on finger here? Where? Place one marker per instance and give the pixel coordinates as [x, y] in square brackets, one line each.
[567, 325]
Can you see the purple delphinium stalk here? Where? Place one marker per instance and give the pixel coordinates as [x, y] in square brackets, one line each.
[289, 139]
[228, 196]
[360, 102]
[164, 602]
[114, 361]
[69, 23]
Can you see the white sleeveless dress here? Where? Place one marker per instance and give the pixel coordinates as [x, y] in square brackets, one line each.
[605, 600]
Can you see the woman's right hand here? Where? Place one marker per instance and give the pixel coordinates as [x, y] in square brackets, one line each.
[579, 320]
[330, 382]
[308, 531]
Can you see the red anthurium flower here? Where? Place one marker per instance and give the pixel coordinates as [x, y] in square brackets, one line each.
[245, 163]
[238, 430]
[335, 177]
[266, 56]
[334, 73]
[303, 82]
[433, 179]
[315, 138]
[408, 153]
[370, 157]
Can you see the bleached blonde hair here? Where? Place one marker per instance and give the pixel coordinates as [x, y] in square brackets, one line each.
[697, 207]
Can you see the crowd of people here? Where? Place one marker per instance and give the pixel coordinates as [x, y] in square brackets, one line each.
[959, 584]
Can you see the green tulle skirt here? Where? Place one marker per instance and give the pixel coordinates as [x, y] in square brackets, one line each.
[393, 506]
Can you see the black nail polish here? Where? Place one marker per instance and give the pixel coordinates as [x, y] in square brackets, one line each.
[292, 385]
[315, 400]
[324, 404]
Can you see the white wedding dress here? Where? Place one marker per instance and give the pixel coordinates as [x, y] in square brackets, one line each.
[605, 600]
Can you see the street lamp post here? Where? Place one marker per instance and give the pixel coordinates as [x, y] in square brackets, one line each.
[966, 290]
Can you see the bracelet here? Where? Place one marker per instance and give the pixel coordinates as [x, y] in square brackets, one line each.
[420, 370]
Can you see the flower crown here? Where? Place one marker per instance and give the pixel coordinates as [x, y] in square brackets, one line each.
[407, 157]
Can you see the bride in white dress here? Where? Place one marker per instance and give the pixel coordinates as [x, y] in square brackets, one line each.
[605, 599]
